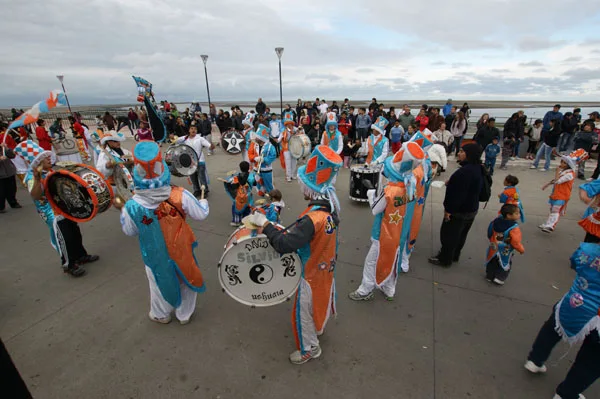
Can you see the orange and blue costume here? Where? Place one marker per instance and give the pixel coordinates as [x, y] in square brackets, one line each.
[511, 195]
[157, 214]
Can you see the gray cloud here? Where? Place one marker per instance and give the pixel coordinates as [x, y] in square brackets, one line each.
[322, 76]
[500, 70]
[535, 43]
[540, 70]
[531, 64]
[364, 70]
[573, 59]
[456, 65]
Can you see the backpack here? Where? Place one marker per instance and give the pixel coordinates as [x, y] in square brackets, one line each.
[486, 187]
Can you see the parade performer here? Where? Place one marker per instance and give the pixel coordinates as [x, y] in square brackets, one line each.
[575, 318]
[389, 208]
[248, 133]
[65, 235]
[511, 195]
[79, 133]
[332, 137]
[562, 184]
[505, 237]
[424, 173]
[288, 162]
[591, 218]
[378, 145]
[273, 207]
[314, 237]
[238, 187]
[157, 215]
[200, 176]
[112, 154]
[268, 153]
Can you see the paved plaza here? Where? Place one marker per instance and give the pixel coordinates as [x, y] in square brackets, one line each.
[449, 334]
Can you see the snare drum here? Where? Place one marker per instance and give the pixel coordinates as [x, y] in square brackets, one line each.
[181, 159]
[358, 173]
[77, 191]
[253, 273]
[299, 146]
[123, 182]
[233, 142]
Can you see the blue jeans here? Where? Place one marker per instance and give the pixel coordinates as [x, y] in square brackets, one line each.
[546, 150]
[516, 149]
[490, 163]
[565, 141]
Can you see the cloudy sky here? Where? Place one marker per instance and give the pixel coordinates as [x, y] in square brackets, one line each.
[471, 49]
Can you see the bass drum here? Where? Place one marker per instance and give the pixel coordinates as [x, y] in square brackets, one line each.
[123, 182]
[299, 146]
[253, 273]
[77, 191]
[233, 142]
[358, 173]
[181, 160]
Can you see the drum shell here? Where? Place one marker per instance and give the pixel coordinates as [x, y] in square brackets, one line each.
[248, 252]
[358, 173]
[173, 160]
[123, 182]
[299, 146]
[88, 193]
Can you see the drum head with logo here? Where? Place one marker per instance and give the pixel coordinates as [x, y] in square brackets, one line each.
[253, 273]
[232, 142]
[358, 191]
[181, 159]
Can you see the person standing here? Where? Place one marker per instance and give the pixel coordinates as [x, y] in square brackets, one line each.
[268, 153]
[422, 120]
[406, 118]
[332, 137]
[8, 171]
[112, 155]
[552, 115]
[568, 127]
[378, 146]
[289, 162]
[461, 204]
[550, 141]
[42, 136]
[457, 129]
[314, 237]
[390, 209]
[133, 120]
[200, 177]
[157, 215]
[534, 134]
[435, 120]
[447, 109]
[363, 122]
[109, 121]
[260, 107]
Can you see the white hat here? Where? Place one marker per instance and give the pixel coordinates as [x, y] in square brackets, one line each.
[437, 154]
[112, 135]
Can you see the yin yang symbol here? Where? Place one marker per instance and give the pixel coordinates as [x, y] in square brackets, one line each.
[261, 274]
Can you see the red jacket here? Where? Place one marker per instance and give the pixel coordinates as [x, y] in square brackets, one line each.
[343, 126]
[43, 137]
[423, 121]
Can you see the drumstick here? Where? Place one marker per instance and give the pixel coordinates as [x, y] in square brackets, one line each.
[202, 188]
[223, 180]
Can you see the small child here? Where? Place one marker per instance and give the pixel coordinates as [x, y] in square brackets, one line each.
[358, 155]
[239, 188]
[349, 151]
[409, 133]
[273, 210]
[396, 134]
[491, 153]
[508, 146]
[562, 185]
[505, 237]
[511, 195]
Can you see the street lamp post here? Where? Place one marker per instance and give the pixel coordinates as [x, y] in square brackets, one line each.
[279, 52]
[60, 79]
[205, 59]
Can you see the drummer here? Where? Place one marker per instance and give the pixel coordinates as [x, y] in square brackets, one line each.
[112, 154]
[314, 237]
[289, 163]
[65, 235]
[378, 145]
[200, 176]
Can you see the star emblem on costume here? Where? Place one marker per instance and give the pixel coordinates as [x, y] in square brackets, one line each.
[395, 217]
[583, 259]
[358, 191]
[233, 144]
[421, 200]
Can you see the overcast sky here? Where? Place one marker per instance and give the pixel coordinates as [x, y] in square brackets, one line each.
[474, 49]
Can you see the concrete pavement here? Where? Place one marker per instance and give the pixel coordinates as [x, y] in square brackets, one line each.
[449, 333]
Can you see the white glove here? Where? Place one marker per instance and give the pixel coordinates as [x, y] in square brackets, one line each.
[258, 159]
[258, 219]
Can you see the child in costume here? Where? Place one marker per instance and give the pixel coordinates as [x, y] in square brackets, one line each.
[268, 153]
[239, 188]
[314, 237]
[491, 154]
[65, 235]
[248, 133]
[157, 215]
[289, 163]
[591, 218]
[511, 195]
[273, 209]
[332, 137]
[389, 208]
[378, 145]
[562, 185]
[505, 237]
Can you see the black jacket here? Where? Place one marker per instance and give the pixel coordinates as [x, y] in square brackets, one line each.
[551, 137]
[261, 108]
[462, 191]
[485, 135]
[205, 128]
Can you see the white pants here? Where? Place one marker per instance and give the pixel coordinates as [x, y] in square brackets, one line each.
[245, 154]
[369, 282]
[160, 308]
[555, 213]
[291, 165]
[304, 325]
[405, 261]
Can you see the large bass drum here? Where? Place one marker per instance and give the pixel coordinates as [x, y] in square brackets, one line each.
[253, 273]
[233, 142]
[77, 191]
[181, 160]
[299, 146]
[358, 173]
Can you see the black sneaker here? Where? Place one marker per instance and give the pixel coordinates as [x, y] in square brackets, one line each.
[16, 205]
[435, 261]
[75, 271]
[87, 259]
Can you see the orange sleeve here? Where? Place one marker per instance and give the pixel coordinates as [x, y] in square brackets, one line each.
[515, 240]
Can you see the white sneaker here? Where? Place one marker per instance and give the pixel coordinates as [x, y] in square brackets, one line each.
[557, 396]
[498, 281]
[234, 224]
[298, 358]
[532, 367]
[184, 322]
[513, 158]
[533, 167]
[164, 320]
[355, 296]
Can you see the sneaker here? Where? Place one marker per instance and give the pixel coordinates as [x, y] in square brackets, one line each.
[544, 170]
[298, 358]
[355, 296]
[75, 271]
[288, 180]
[535, 369]
[504, 167]
[513, 158]
[184, 322]
[589, 179]
[557, 396]
[234, 224]
[87, 259]
[16, 205]
[547, 229]
[533, 167]
[294, 178]
[498, 282]
[164, 320]
[435, 261]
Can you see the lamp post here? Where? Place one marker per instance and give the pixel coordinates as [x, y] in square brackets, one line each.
[60, 79]
[205, 59]
[279, 52]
